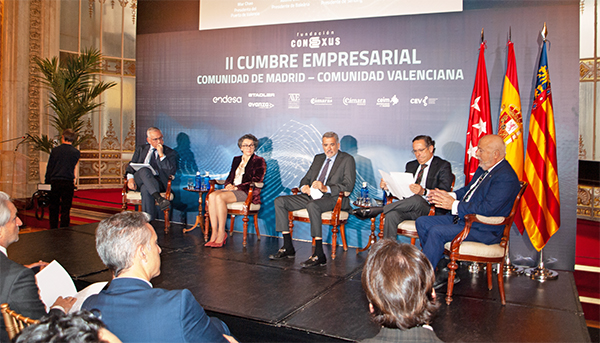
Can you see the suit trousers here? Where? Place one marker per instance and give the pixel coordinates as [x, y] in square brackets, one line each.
[409, 208]
[148, 184]
[61, 199]
[315, 208]
[435, 231]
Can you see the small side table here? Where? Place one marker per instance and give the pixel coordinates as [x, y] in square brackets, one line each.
[372, 236]
[199, 220]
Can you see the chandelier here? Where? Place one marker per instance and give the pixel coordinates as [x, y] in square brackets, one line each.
[123, 4]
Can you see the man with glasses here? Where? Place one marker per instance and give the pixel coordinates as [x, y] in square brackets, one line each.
[429, 172]
[151, 181]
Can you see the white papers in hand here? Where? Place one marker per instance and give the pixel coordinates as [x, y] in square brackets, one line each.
[398, 183]
[54, 281]
[315, 193]
[138, 166]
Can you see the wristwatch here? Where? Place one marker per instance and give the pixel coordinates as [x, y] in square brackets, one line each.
[424, 191]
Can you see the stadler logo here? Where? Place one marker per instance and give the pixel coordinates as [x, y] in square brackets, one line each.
[315, 40]
[227, 99]
[261, 105]
[387, 102]
[423, 101]
[353, 101]
[322, 101]
[261, 95]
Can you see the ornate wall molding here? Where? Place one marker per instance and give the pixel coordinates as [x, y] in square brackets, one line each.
[34, 108]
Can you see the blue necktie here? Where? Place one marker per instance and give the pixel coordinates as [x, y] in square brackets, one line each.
[324, 171]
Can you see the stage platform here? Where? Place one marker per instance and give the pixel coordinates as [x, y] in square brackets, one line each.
[278, 301]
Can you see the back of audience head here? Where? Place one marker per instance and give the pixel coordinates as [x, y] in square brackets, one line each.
[118, 237]
[81, 326]
[398, 281]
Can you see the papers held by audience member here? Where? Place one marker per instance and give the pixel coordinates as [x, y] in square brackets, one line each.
[398, 183]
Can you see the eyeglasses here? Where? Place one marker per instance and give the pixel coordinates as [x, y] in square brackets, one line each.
[157, 139]
[419, 150]
[247, 146]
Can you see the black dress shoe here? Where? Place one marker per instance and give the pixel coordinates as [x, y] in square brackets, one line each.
[367, 212]
[283, 253]
[441, 278]
[164, 204]
[314, 261]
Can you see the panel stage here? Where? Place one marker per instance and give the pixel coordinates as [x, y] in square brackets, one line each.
[278, 301]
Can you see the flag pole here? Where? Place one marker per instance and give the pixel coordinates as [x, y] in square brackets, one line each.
[509, 268]
[541, 273]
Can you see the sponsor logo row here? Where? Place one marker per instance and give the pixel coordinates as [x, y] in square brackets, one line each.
[263, 101]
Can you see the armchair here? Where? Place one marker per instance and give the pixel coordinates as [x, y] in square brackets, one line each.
[134, 198]
[460, 250]
[14, 322]
[336, 218]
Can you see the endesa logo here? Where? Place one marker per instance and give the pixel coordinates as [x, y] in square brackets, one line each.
[315, 40]
[227, 99]
[260, 105]
[424, 101]
[387, 102]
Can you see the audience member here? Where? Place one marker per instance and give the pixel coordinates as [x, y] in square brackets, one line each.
[60, 173]
[150, 183]
[398, 281]
[78, 327]
[131, 308]
[17, 282]
[329, 174]
[245, 170]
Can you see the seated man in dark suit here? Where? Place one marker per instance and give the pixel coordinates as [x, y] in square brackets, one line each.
[17, 282]
[130, 307]
[491, 192]
[330, 173]
[398, 281]
[163, 161]
[429, 172]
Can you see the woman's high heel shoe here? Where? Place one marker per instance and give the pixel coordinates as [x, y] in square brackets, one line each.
[220, 245]
[209, 244]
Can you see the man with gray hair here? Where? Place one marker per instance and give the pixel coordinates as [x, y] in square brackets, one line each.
[130, 307]
[17, 282]
[329, 174]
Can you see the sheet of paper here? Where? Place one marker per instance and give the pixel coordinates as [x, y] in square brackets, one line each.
[316, 194]
[138, 166]
[398, 183]
[92, 289]
[54, 281]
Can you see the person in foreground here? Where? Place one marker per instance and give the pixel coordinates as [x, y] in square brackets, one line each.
[78, 327]
[429, 172]
[130, 307]
[491, 192]
[17, 282]
[330, 173]
[60, 173]
[245, 170]
[163, 161]
[398, 281]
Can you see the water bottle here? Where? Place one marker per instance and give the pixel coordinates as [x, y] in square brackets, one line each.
[205, 182]
[364, 194]
[198, 181]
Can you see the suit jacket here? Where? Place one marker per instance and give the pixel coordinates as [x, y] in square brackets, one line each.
[495, 195]
[417, 334]
[254, 172]
[19, 290]
[341, 177]
[439, 176]
[136, 312]
[167, 167]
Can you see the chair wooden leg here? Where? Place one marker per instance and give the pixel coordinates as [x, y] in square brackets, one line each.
[413, 241]
[500, 276]
[452, 266]
[231, 223]
[206, 226]
[167, 221]
[489, 276]
[334, 231]
[256, 226]
[343, 230]
[245, 220]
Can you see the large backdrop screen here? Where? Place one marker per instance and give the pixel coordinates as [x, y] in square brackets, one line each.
[377, 82]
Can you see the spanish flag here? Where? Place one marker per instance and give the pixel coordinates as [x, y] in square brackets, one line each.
[510, 126]
[540, 207]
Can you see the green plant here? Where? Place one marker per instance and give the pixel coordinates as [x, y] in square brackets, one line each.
[73, 89]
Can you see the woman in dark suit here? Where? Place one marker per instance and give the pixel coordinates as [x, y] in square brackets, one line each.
[245, 170]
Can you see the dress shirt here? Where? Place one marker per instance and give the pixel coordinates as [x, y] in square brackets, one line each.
[475, 184]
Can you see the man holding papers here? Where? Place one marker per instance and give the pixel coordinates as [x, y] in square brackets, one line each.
[428, 172]
[330, 173]
[17, 282]
[159, 163]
